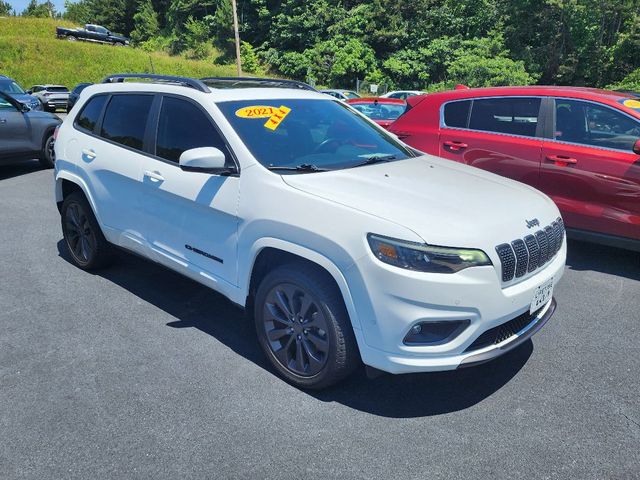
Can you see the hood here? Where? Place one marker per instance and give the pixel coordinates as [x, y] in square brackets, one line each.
[444, 202]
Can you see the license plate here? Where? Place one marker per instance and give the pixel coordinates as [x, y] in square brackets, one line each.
[542, 296]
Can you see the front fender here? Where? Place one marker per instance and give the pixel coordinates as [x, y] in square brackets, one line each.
[246, 265]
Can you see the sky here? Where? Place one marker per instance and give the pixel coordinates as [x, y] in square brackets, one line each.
[20, 5]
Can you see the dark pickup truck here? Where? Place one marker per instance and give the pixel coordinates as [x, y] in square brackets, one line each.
[91, 33]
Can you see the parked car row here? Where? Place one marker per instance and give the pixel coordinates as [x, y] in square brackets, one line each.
[42, 97]
[345, 241]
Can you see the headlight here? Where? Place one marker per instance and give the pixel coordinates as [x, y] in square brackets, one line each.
[425, 258]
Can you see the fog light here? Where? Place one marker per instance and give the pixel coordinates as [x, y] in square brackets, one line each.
[435, 333]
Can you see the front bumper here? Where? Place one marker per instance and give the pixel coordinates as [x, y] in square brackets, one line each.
[393, 300]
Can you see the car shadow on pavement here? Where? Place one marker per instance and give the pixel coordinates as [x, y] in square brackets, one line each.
[582, 256]
[397, 396]
[22, 168]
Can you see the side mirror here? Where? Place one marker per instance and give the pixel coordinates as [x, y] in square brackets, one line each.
[205, 160]
[636, 147]
[24, 108]
[29, 92]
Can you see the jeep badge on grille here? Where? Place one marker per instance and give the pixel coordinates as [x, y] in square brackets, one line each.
[532, 223]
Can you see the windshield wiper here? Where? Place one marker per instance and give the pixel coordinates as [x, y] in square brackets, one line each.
[305, 167]
[375, 159]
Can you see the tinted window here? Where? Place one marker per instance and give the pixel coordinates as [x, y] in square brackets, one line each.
[57, 89]
[456, 114]
[183, 126]
[126, 119]
[515, 116]
[591, 124]
[90, 113]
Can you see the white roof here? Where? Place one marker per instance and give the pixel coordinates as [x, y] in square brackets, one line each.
[215, 94]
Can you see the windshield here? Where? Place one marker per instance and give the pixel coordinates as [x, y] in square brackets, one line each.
[308, 132]
[380, 111]
[57, 89]
[350, 95]
[9, 86]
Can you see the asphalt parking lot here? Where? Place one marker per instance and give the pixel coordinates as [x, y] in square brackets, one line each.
[136, 372]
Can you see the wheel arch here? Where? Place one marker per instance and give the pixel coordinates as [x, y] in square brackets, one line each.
[67, 183]
[270, 252]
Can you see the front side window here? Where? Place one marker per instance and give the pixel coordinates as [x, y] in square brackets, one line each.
[591, 124]
[126, 119]
[88, 117]
[513, 115]
[320, 133]
[183, 126]
[456, 114]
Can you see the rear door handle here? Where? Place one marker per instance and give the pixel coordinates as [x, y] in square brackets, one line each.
[562, 160]
[156, 176]
[454, 145]
[89, 153]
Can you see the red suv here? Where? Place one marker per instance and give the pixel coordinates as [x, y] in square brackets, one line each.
[578, 145]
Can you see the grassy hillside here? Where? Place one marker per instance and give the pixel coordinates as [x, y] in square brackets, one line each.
[31, 53]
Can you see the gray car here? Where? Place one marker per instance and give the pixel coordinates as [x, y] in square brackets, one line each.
[24, 133]
[52, 97]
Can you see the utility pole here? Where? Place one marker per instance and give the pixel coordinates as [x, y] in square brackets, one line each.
[237, 34]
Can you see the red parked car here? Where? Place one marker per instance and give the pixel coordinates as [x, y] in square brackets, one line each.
[383, 111]
[578, 145]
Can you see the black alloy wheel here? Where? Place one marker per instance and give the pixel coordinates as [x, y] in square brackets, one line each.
[296, 329]
[88, 247]
[303, 326]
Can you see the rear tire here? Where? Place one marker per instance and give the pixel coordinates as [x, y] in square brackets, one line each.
[71, 38]
[48, 155]
[304, 328]
[87, 247]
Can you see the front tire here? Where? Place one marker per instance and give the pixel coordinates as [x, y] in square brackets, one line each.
[87, 247]
[48, 155]
[303, 327]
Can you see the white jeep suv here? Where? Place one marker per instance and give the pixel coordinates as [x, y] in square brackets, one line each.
[345, 244]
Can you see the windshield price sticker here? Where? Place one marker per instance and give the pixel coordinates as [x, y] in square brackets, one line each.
[277, 117]
[257, 111]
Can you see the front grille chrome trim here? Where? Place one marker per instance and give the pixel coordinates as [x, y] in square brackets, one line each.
[522, 256]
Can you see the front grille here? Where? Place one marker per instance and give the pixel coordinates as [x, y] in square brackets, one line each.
[503, 332]
[522, 256]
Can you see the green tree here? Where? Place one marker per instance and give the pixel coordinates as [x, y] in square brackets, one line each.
[146, 23]
[5, 9]
[42, 10]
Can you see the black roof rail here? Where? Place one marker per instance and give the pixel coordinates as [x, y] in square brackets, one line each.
[255, 82]
[185, 81]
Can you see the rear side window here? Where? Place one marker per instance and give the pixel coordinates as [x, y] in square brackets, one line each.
[456, 114]
[126, 119]
[515, 116]
[595, 125]
[88, 117]
[183, 126]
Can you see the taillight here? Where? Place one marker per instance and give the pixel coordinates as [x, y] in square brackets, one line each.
[55, 132]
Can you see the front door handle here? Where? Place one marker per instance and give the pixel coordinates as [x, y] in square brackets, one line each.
[155, 176]
[562, 160]
[3, 120]
[454, 145]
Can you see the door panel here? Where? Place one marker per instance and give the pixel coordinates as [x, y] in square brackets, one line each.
[190, 217]
[596, 188]
[497, 134]
[15, 131]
